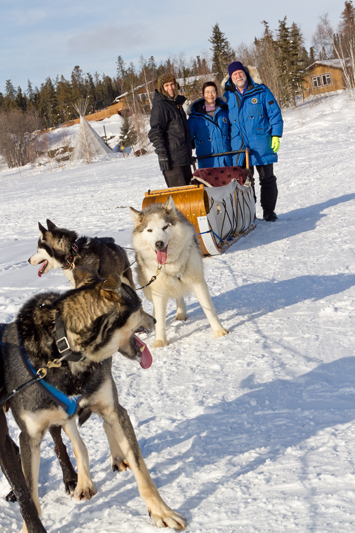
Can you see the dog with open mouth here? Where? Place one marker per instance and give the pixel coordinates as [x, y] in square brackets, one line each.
[166, 246]
[95, 319]
[63, 248]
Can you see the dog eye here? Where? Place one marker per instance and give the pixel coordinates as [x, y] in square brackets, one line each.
[166, 227]
[150, 230]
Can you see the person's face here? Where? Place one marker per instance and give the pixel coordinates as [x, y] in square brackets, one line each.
[210, 95]
[239, 79]
[169, 88]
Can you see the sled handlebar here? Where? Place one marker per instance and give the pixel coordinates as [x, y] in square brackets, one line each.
[246, 151]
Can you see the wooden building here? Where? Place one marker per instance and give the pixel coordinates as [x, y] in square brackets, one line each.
[323, 77]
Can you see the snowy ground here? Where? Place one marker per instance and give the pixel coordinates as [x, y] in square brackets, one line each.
[253, 432]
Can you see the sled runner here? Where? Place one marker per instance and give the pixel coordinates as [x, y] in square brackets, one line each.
[220, 204]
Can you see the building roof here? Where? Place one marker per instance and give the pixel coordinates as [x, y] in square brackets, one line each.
[333, 63]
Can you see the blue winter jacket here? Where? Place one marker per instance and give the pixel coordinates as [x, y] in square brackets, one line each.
[210, 135]
[255, 117]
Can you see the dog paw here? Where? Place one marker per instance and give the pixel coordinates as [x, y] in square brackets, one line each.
[119, 466]
[85, 493]
[181, 316]
[11, 497]
[70, 486]
[160, 344]
[169, 518]
[221, 332]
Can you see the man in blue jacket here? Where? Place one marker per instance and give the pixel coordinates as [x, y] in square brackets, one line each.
[256, 123]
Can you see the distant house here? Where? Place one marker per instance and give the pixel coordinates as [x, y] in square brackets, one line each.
[324, 76]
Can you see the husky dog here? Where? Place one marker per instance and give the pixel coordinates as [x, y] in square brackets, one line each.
[166, 247]
[97, 317]
[61, 248]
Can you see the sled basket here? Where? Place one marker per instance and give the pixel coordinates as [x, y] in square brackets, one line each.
[219, 203]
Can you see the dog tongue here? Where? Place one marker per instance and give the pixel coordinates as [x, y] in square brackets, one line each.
[162, 256]
[147, 358]
[42, 268]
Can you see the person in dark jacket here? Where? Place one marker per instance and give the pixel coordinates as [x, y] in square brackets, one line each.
[256, 122]
[210, 127]
[170, 133]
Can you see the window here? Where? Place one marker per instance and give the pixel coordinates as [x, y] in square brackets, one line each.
[316, 81]
[321, 81]
[326, 79]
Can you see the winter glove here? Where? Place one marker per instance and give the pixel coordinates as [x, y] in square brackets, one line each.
[275, 144]
[164, 164]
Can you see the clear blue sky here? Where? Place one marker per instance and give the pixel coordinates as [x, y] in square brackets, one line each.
[44, 38]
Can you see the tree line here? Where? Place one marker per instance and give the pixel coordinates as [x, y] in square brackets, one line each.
[280, 57]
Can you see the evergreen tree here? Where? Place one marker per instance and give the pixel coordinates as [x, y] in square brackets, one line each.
[48, 104]
[10, 96]
[284, 62]
[298, 61]
[128, 136]
[347, 29]
[222, 52]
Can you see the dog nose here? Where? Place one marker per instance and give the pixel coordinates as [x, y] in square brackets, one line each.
[29, 260]
[159, 245]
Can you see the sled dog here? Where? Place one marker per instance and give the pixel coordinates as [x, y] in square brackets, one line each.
[97, 317]
[61, 248]
[166, 246]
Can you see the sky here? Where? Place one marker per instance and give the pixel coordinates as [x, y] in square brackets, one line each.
[41, 39]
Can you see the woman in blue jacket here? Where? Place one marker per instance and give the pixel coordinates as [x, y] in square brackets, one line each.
[210, 128]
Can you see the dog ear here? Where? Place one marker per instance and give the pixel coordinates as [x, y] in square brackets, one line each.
[112, 283]
[169, 206]
[136, 216]
[42, 230]
[84, 276]
[50, 225]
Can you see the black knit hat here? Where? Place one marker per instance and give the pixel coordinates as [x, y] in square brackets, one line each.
[236, 65]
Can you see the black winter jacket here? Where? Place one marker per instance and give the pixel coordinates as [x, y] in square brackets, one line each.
[170, 132]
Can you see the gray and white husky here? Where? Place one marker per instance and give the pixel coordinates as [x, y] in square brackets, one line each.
[166, 246]
[98, 316]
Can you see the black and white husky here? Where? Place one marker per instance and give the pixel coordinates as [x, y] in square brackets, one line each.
[166, 247]
[97, 317]
[61, 248]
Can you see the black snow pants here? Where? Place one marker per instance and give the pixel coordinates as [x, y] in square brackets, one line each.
[178, 176]
[268, 188]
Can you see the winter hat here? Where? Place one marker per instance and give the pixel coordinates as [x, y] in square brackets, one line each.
[236, 65]
[166, 78]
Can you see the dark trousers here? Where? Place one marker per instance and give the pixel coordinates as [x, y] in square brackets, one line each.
[11, 466]
[178, 176]
[268, 188]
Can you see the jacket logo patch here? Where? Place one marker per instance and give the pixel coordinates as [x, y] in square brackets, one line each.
[271, 102]
[224, 120]
[254, 100]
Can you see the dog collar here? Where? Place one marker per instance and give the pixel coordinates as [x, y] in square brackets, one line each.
[63, 344]
[69, 265]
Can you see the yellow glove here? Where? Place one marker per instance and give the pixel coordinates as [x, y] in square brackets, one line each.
[275, 144]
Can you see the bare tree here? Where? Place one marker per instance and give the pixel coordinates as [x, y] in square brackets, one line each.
[18, 138]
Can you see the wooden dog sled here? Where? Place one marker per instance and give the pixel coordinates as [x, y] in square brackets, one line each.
[220, 204]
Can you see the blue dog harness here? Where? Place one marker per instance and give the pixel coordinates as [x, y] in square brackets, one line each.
[69, 404]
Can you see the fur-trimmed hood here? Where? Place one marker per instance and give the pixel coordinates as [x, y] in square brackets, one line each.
[252, 75]
[197, 105]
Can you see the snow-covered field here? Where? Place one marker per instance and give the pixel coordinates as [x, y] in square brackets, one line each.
[253, 432]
